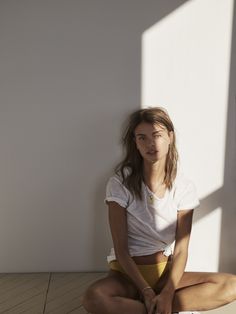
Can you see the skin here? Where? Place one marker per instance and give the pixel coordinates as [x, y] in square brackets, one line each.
[150, 137]
[179, 290]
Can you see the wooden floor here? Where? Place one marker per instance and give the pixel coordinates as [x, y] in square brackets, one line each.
[54, 293]
[39, 293]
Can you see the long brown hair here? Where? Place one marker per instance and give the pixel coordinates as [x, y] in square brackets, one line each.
[133, 161]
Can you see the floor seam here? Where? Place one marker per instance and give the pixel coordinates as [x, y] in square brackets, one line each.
[45, 303]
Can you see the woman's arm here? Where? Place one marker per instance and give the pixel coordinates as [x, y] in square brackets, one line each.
[180, 255]
[163, 301]
[118, 226]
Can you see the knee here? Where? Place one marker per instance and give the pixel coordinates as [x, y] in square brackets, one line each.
[230, 288]
[92, 299]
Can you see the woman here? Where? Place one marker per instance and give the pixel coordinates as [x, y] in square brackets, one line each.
[151, 205]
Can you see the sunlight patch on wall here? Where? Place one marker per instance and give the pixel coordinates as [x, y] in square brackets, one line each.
[204, 248]
[185, 68]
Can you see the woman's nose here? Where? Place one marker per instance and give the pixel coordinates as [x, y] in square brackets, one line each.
[150, 142]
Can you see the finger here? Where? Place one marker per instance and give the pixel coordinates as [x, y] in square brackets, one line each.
[152, 308]
[158, 311]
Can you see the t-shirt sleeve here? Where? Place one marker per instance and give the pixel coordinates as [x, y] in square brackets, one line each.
[116, 191]
[188, 198]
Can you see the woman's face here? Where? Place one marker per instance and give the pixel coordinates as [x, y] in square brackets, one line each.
[152, 141]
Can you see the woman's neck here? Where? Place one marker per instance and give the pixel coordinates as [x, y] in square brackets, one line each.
[154, 173]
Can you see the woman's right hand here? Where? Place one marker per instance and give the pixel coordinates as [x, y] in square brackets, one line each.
[148, 295]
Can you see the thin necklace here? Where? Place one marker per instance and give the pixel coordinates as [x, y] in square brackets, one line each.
[150, 196]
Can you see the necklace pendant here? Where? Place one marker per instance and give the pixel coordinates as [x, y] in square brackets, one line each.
[151, 199]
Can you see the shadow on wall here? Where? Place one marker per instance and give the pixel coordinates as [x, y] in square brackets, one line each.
[227, 197]
[70, 74]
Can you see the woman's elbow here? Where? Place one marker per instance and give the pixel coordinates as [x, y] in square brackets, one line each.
[181, 251]
[122, 254]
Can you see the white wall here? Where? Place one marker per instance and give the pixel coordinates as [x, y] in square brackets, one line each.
[70, 73]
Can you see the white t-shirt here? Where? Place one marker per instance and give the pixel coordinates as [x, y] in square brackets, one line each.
[152, 225]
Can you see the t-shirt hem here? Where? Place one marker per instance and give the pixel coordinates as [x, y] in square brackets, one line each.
[166, 249]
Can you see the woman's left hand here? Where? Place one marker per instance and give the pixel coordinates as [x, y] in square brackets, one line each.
[161, 304]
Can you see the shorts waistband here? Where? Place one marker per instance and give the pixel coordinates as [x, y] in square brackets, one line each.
[151, 272]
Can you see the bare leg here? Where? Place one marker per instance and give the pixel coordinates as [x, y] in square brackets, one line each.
[204, 291]
[113, 294]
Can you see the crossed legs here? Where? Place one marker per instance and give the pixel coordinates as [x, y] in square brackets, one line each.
[113, 294]
[201, 291]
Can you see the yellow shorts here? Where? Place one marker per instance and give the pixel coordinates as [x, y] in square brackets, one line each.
[151, 273]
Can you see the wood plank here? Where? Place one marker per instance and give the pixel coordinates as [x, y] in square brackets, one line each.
[65, 291]
[23, 292]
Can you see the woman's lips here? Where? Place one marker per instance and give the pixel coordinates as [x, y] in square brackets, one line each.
[152, 152]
